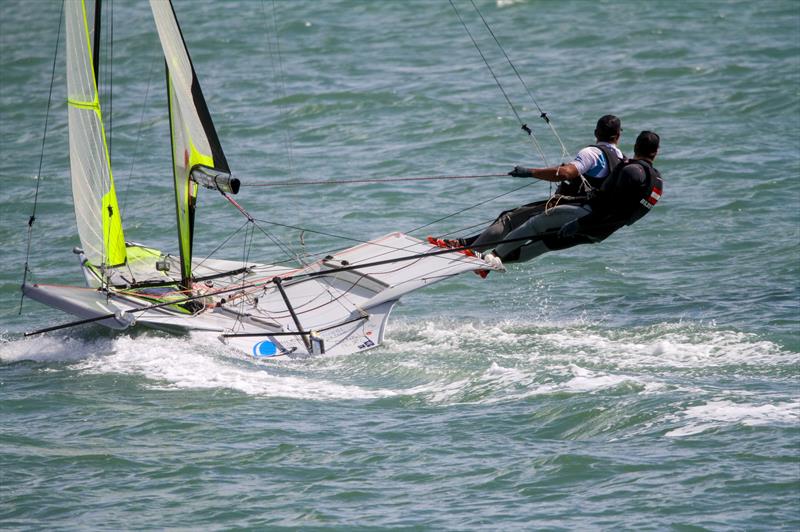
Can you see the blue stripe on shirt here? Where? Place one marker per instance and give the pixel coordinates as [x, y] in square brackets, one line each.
[597, 169]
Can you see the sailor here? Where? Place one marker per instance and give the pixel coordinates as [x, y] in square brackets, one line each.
[627, 194]
[591, 165]
[585, 173]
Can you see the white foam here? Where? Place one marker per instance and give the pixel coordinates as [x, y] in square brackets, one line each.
[720, 413]
[527, 361]
[675, 345]
[50, 349]
[177, 363]
[455, 361]
[585, 380]
[449, 336]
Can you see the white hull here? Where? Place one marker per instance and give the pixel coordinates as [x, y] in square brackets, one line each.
[347, 309]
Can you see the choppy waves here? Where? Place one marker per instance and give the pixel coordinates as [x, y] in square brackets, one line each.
[452, 363]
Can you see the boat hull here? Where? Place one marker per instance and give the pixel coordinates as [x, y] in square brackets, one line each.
[331, 306]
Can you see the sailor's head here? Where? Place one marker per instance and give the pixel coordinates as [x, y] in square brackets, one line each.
[647, 145]
[608, 129]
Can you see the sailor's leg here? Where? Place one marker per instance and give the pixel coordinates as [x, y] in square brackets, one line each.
[504, 224]
[545, 223]
[493, 233]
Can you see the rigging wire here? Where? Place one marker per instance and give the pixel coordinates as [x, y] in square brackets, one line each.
[281, 75]
[368, 180]
[396, 179]
[472, 207]
[135, 155]
[110, 79]
[542, 114]
[288, 251]
[246, 248]
[236, 232]
[32, 218]
[524, 126]
[357, 240]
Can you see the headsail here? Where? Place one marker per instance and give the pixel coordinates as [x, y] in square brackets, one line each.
[195, 146]
[96, 210]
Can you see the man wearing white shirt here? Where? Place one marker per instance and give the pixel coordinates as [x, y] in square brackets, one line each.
[578, 177]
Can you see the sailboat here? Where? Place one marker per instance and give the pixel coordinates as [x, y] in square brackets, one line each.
[339, 304]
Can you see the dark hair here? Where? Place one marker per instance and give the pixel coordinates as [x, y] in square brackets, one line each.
[647, 144]
[608, 128]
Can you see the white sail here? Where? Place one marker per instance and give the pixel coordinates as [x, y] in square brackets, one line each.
[195, 145]
[96, 210]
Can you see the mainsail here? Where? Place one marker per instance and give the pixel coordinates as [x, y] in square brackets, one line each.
[96, 209]
[196, 152]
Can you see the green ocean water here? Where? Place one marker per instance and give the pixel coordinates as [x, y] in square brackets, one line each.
[647, 383]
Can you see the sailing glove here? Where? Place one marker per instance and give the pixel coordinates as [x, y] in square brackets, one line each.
[569, 229]
[521, 171]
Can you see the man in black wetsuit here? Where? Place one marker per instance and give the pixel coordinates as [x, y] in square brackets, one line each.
[626, 195]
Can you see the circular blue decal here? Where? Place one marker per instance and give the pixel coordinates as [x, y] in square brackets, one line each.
[264, 349]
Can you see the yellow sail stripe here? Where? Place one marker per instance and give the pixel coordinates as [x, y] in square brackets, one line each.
[95, 105]
[195, 157]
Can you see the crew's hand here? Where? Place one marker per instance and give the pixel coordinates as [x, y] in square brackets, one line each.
[568, 230]
[521, 171]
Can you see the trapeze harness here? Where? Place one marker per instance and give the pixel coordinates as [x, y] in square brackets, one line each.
[577, 187]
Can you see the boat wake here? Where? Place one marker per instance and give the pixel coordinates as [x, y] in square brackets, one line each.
[450, 363]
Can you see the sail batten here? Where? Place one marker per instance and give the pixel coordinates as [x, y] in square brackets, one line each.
[193, 136]
[96, 209]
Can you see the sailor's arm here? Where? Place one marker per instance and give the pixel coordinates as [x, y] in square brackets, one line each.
[562, 172]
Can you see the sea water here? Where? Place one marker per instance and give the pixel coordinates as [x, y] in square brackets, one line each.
[649, 382]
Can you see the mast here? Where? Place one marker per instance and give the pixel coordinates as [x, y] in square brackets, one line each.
[98, 8]
[197, 156]
[95, 199]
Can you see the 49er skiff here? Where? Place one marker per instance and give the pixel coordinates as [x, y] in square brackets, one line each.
[339, 304]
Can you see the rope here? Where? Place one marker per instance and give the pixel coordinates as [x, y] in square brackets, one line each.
[135, 155]
[222, 244]
[245, 213]
[542, 114]
[280, 74]
[473, 206]
[500, 86]
[283, 247]
[369, 180]
[247, 247]
[41, 159]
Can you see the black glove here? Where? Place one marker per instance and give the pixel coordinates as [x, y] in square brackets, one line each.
[569, 229]
[521, 171]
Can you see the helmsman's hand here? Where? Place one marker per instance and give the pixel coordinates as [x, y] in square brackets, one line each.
[521, 171]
